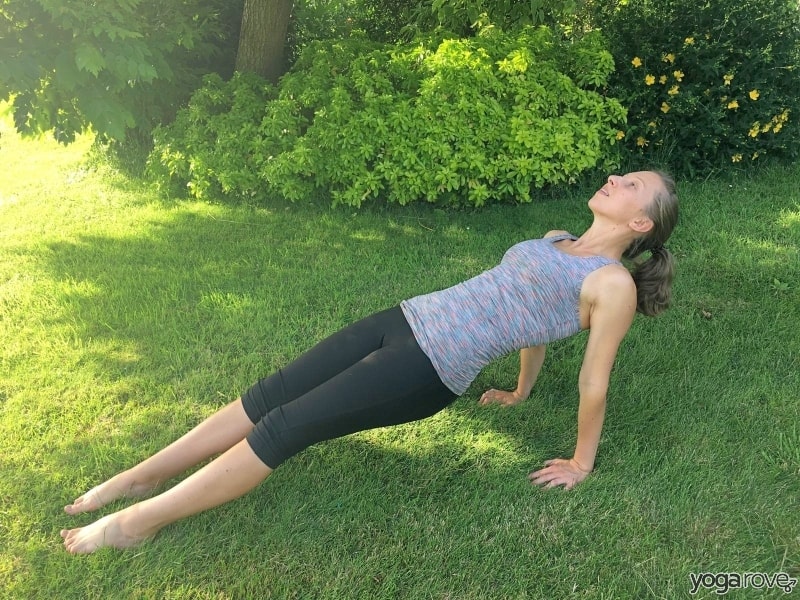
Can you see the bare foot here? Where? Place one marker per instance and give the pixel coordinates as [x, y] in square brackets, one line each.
[117, 530]
[123, 485]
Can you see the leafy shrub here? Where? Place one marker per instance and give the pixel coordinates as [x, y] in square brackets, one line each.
[463, 16]
[466, 121]
[706, 84]
[119, 66]
[215, 130]
[314, 20]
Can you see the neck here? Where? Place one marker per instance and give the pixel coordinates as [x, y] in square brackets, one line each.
[604, 239]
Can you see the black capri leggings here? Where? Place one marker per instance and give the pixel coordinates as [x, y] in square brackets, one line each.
[370, 374]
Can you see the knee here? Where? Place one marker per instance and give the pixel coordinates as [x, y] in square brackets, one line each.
[267, 442]
[262, 397]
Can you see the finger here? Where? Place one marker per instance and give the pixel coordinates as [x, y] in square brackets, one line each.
[545, 477]
[541, 473]
[547, 482]
[556, 484]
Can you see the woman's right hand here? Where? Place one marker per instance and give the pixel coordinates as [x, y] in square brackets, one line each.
[500, 397]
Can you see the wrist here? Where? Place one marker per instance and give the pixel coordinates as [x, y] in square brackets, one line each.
[583, 466]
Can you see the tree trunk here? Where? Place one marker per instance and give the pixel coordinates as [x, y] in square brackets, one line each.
[263, 36]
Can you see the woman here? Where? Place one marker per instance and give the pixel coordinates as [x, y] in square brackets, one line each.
[411, 361]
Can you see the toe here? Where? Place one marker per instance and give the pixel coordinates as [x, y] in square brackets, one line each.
[74, 507]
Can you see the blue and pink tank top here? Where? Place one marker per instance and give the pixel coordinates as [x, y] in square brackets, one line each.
[531, 298]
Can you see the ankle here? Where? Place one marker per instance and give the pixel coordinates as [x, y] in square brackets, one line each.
[137, 523]
[134, 482]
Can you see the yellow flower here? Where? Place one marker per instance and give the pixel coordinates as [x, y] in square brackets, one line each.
[689, 41]
[673, 90]
[636, 62]
[670, 58]
[766, 128]
[652, 124]
[736, 157]
[662, 80]
[728, 78]
[755, 155]
[755, 129]
[620, 134]
[678, 75]
[754, 94]
[649, 80]
[665, 107]
[641, 142]
[777, 128]
[781, 118]
[733, 104]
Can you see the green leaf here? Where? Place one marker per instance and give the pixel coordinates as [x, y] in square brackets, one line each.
[88, 58]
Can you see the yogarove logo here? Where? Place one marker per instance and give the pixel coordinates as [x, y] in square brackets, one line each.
[722, 583]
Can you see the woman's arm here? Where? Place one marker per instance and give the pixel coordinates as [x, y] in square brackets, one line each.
[530, 364]
[610, 318]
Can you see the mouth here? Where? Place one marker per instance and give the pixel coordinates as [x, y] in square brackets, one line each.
[603, 191]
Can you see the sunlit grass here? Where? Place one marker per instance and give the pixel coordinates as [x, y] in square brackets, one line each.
[127, 317]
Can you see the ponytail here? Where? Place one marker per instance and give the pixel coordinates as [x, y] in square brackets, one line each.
[653, 277]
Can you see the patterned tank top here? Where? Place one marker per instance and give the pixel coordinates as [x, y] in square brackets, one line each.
[531, 298]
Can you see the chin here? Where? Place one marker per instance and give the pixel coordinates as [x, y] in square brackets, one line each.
[596, 201]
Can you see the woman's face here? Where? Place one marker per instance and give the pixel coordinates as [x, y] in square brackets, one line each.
[626, 197]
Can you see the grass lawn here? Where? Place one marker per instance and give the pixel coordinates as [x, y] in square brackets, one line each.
[126, 317]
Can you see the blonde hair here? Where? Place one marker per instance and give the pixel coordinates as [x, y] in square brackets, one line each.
[653, 277]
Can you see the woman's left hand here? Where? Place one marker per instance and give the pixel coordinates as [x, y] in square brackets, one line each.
[559, 471]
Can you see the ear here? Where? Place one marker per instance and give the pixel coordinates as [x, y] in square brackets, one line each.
[641, 224]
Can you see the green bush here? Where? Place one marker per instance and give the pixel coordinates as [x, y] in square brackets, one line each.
[453, 121]
[706, 84]
[313, 20]
[208, 144]
[466, 16]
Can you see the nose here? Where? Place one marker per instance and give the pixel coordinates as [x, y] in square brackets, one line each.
[614, 179]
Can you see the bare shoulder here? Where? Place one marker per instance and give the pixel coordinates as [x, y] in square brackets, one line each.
[611, 285]
[555, 232]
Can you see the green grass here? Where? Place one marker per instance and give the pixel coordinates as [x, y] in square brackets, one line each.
[126, 317]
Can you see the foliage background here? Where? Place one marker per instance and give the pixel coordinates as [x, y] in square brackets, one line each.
[457, 122]
[706, 84]
[121, 66]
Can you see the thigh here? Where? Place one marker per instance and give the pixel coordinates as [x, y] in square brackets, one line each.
[395, 384]
[321, 363]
